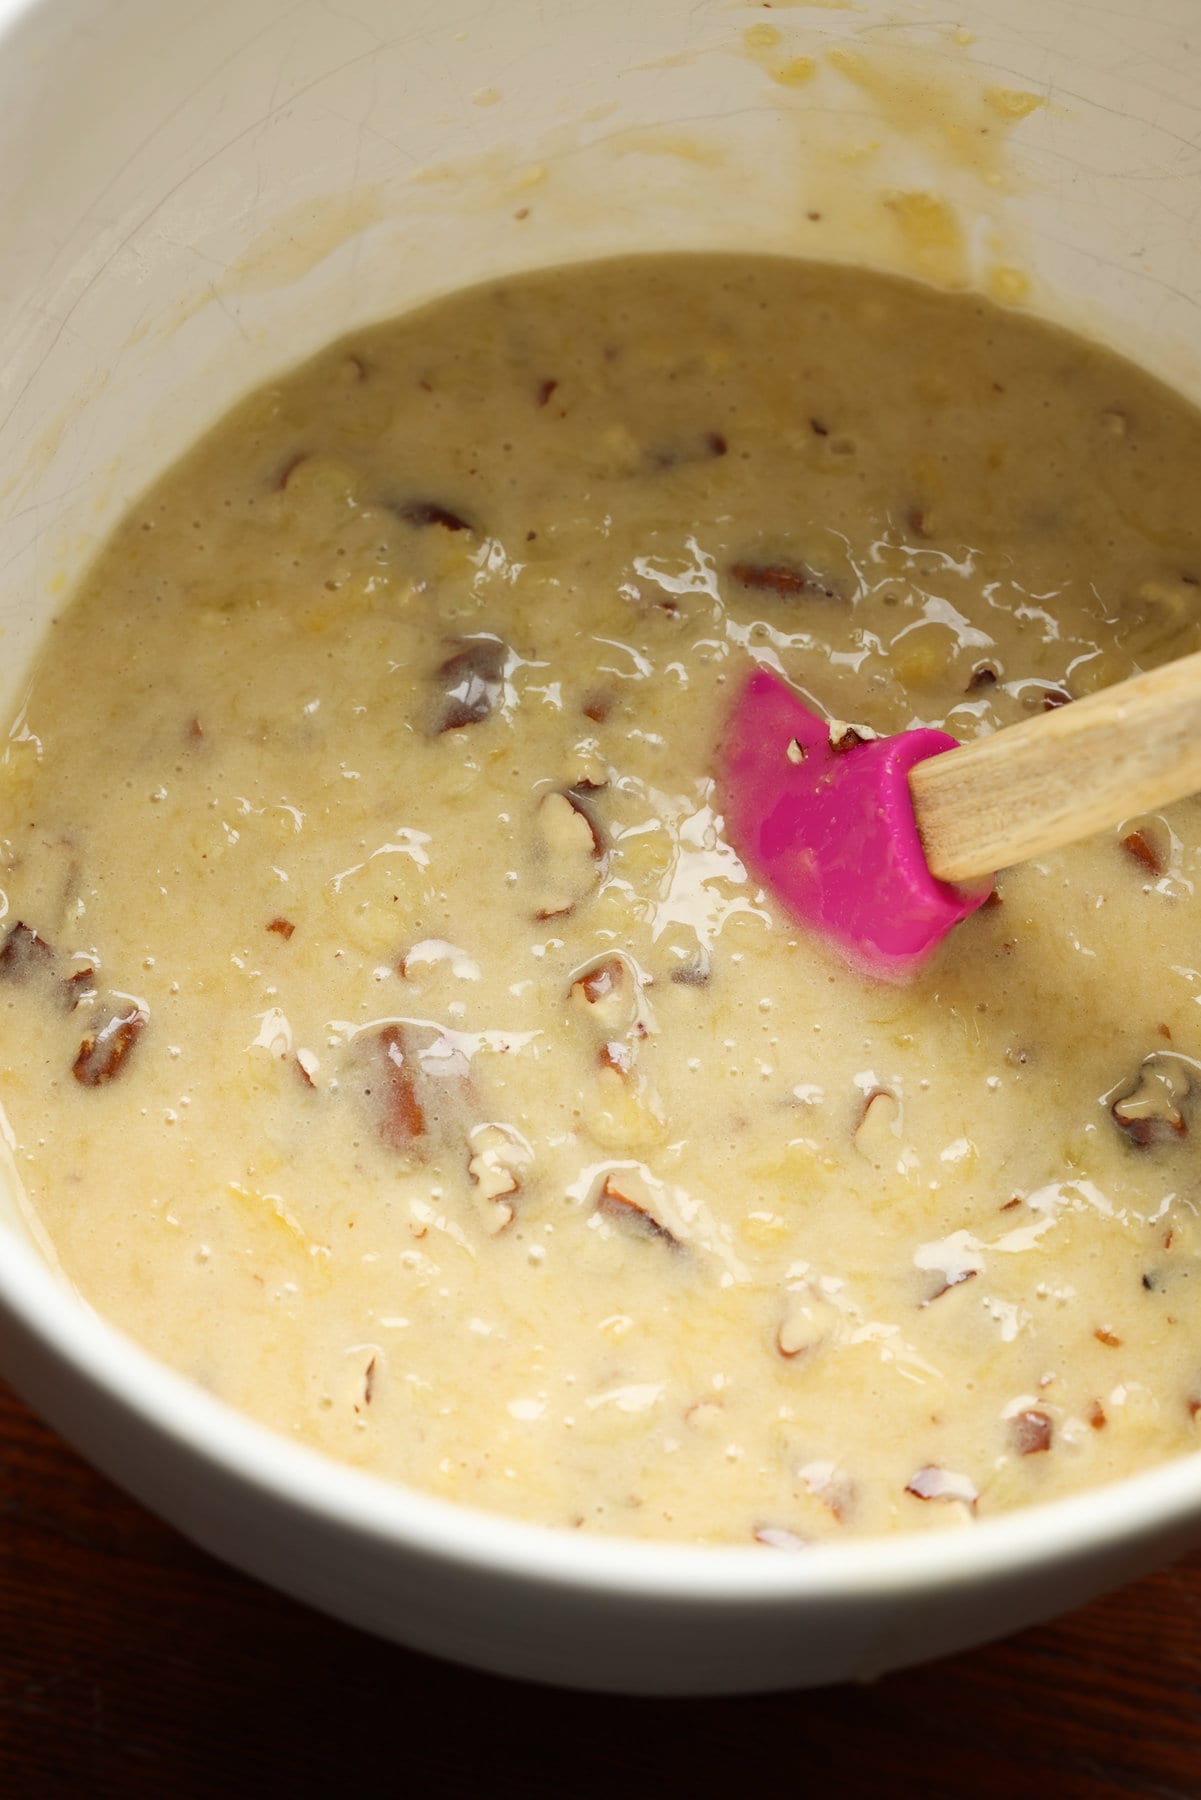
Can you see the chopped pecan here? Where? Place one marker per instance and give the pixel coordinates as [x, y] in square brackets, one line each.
[282, 928]
[24, 952]
[1096, 1416]
[778, 1537]
[545, 390]
[399, 1113]
[568, 848]
[417, 1088]
[621, 1200]
[1142, 847]
[606, 994]
[499, 1158]
[597, 707]
[615, 1056]
[955, 1279]
[808, 1322]
[1031, 1432]
[1107, 1337]
[789, 580]
[78, 989]
[472, 681]
[695, 970]
[429, 512]
[827, 1483]
[709, 444]
[1151, 1107]
[983, 676]
[933, 1483]
[848, 737]
[104, 1053]
[875, 1137]
[288, 468]
[1053, 697]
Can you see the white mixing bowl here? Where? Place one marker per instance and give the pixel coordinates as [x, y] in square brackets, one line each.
[197, 193]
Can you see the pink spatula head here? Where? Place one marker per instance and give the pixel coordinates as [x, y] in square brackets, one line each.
[831, 830]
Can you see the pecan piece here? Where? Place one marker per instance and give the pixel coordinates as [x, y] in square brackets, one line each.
[807, 1323]
[282, 928]
[23, 952]
[104, 1053]
[597, 707]
[78, 989]
[429, 512]
[416, 1085]
[878, 1131]
[1146, 845]
[472, 682]
[1151, 1108]
[1031, 1432]
[568, 848]
[620, 1200]
[606, 995]
[288, 468]
[933, 1483]
[788, 580]
[778, 1537]
[400, 1116]
[498, 1162]
[710, 444]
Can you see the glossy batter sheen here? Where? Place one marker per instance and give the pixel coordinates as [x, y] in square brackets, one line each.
[392, 1041]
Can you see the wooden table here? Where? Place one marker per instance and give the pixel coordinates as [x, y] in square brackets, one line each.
[132, 1664]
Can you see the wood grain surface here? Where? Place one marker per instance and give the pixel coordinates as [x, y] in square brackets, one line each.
[132, 1664]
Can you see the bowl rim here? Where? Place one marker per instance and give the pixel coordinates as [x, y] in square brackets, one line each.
[399, 1518]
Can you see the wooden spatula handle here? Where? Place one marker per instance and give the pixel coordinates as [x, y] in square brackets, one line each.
[1032, 787]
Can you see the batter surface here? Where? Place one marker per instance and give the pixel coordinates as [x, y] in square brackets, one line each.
[392, 1041]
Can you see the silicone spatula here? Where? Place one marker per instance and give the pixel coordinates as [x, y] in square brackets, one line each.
[882, 845]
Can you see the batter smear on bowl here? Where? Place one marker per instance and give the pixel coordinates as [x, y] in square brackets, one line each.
[392, 1040]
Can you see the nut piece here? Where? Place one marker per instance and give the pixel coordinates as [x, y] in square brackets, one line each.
[778, 1537]
[429, 512]
[401, 1117]
[1031, 1432]
[79, 989]
[695, 971]
[499, 1159]
[844, 736]
[828, 1484]
[808, 1322]
[933, 1483]
[624, 1199]
[23, 952]
[472, 683]
[1139, 846]
[1152, 1107]
[568, 850]
[606, 995]
[791, 581]
[878, 1131]
[102, 1054]
[416, 1087]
